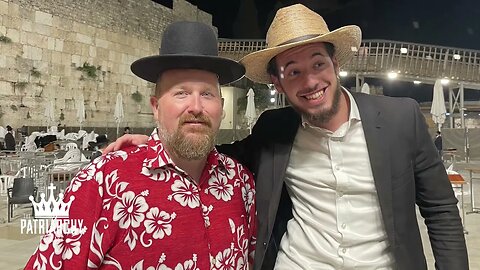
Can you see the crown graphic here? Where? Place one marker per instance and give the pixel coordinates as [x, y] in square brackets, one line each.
[51, 208]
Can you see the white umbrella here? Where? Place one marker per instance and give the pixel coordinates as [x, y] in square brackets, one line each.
[250, 112]
[438, 111]
[118, 115]
[50, 113]
[365, 88]
[80, 110]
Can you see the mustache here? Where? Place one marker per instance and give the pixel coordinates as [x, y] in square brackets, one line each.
[201, 118]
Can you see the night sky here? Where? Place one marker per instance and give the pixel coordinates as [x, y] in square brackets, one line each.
[452, 23]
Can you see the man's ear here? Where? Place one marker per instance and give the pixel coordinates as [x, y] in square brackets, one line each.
[277, 84]
[154, 105]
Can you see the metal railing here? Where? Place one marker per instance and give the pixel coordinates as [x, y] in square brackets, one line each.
[375, 58]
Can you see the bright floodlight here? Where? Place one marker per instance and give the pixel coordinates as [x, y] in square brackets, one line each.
[457, 56]
[403, 50]
[272, 100]
[343, 73]
[444, 81]
[272, 92]
[417, 82]
[392, 75]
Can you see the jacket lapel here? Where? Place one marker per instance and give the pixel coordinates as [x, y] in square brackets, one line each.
[281, 155]
[373, 124]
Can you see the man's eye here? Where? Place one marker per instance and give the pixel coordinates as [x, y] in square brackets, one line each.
[293, 73]
[318, 65]
[181, 93]
[207, 94]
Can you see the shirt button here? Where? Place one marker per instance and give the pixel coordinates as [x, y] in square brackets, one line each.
[339, 194]
[344, 250]
[337, 168]
[344, 226]
[264, 244]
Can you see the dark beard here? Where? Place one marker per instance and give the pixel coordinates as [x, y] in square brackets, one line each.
[322, 118]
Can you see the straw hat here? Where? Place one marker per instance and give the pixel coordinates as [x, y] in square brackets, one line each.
[188, 45]
[294, 26]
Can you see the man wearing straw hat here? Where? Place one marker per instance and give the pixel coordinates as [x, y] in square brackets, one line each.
[174, 203]
[339, 174]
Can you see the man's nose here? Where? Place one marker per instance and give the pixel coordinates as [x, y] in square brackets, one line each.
[310, 81]
[195, 106]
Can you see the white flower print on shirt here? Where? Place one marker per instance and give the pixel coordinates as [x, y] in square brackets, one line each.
[185, 193]
[130, 211]
[225, 260]
[220, 188]
[158, 223]
[66, 245]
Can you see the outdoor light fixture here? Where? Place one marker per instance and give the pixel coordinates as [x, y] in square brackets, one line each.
[272, 92]
[417, 82]
[457, 56]
[272, 100]
[403, 50]
[392, 75]
[343, 73]
[444, 81]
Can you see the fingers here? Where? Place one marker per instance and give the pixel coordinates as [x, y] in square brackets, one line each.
[125, 141]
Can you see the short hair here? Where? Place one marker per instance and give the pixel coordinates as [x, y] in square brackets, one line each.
[272, 64]
[9, 128]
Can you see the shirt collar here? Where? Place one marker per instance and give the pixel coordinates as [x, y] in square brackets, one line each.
[354, 115]
[158, 157]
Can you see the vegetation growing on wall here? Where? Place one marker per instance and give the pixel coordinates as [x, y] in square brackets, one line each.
[5, 39]
[137, 96]
[89, 70]
[21, 85]
[35, 73]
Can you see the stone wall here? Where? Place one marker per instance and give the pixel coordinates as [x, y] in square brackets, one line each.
[61, 49]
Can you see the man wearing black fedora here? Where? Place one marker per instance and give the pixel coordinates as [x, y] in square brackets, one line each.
[174, 202]
[339, 174]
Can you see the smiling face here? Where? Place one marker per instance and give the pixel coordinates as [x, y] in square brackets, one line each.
[307, 75]
[188, 109]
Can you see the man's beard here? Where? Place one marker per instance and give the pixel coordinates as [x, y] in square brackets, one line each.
[193, 145]
[323, 117]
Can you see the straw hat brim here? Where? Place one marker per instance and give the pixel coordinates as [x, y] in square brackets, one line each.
[343, 39]
[151, 67]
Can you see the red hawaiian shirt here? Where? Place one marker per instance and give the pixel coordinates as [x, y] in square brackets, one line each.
[140, 211]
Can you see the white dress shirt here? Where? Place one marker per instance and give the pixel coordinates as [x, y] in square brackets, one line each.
[337, 223]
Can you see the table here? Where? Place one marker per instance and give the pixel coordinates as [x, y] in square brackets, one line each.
[457, 179]
[472, 168]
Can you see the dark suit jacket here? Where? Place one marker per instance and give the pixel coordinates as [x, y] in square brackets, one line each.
[406, 169]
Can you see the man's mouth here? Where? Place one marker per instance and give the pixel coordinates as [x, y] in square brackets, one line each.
[315, 95]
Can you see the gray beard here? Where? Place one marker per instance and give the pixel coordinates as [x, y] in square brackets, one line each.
[188, 148]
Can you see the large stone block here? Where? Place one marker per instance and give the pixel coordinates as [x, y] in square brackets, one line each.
[6, 88]
[83, 38]
[13, 34]
[43, 18]
[31, 52]
[3, 7]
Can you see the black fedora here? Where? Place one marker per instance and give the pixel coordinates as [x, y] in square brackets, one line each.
[188, 45]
